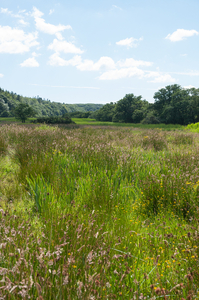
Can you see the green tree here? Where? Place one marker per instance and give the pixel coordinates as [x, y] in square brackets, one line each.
[4, 109]
[176, 105]
[23, 111]
[128, 109]
[106, 112]
[151, 118]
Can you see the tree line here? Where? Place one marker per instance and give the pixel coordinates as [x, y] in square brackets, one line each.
[9, 101]
[172, 105]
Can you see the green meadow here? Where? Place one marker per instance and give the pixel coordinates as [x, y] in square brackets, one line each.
[93, 122]
[99, 212]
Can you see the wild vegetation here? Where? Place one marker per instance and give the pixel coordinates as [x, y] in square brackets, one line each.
[43, 108]
[194, 127]
[172, 105]
[98, 213]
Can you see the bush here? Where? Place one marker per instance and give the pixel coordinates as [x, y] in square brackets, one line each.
[194, 127]
[54, 120]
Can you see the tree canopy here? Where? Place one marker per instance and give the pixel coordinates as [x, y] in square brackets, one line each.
[42, 107]
[173, 104]
[176, 105]
[23, 111]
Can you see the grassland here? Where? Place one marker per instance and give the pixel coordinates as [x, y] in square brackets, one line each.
[98, 213]
[93, 122]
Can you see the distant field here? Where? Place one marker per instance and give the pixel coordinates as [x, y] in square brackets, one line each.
[13, 120]
[147, 126]
[93, 122]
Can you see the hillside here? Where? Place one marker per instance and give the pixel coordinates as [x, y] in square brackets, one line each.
[9, 100]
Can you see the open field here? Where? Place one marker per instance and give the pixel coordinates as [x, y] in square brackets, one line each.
[11, 120]
[144, 126]
[93, 122]
[98, 213]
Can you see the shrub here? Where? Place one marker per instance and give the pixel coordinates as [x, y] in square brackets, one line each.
[54, 120]
[193, 127]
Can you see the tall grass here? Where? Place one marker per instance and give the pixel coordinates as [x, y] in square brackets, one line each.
[98, 214]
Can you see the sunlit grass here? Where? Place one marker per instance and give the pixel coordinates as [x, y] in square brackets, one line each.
[97, 213]
[87, 121]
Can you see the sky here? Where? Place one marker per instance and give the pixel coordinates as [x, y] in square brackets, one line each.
[85, 51]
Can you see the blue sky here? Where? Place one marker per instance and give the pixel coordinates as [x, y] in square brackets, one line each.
[85, 51]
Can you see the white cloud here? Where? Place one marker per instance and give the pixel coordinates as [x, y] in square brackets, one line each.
[162, 78]
[110, 70]
[14, 40]
[34, 54]
[129, 42]
[8, 12]
[5, 11]
[85, 65]
[103, 63]
[181, 34]
[135, 71]
[130, 62]
[122, 73]
[30, 62]
[56, 60]
[48, 28]
[24, 23]
[37, 13]
[1, 75]
[63, 46]
[51, 11]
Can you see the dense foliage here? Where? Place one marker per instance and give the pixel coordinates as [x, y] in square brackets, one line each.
[9, 101]
[173, 105]
[54, 120]
[23, 111]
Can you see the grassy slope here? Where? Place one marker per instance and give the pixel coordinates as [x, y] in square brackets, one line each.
[110, 213]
